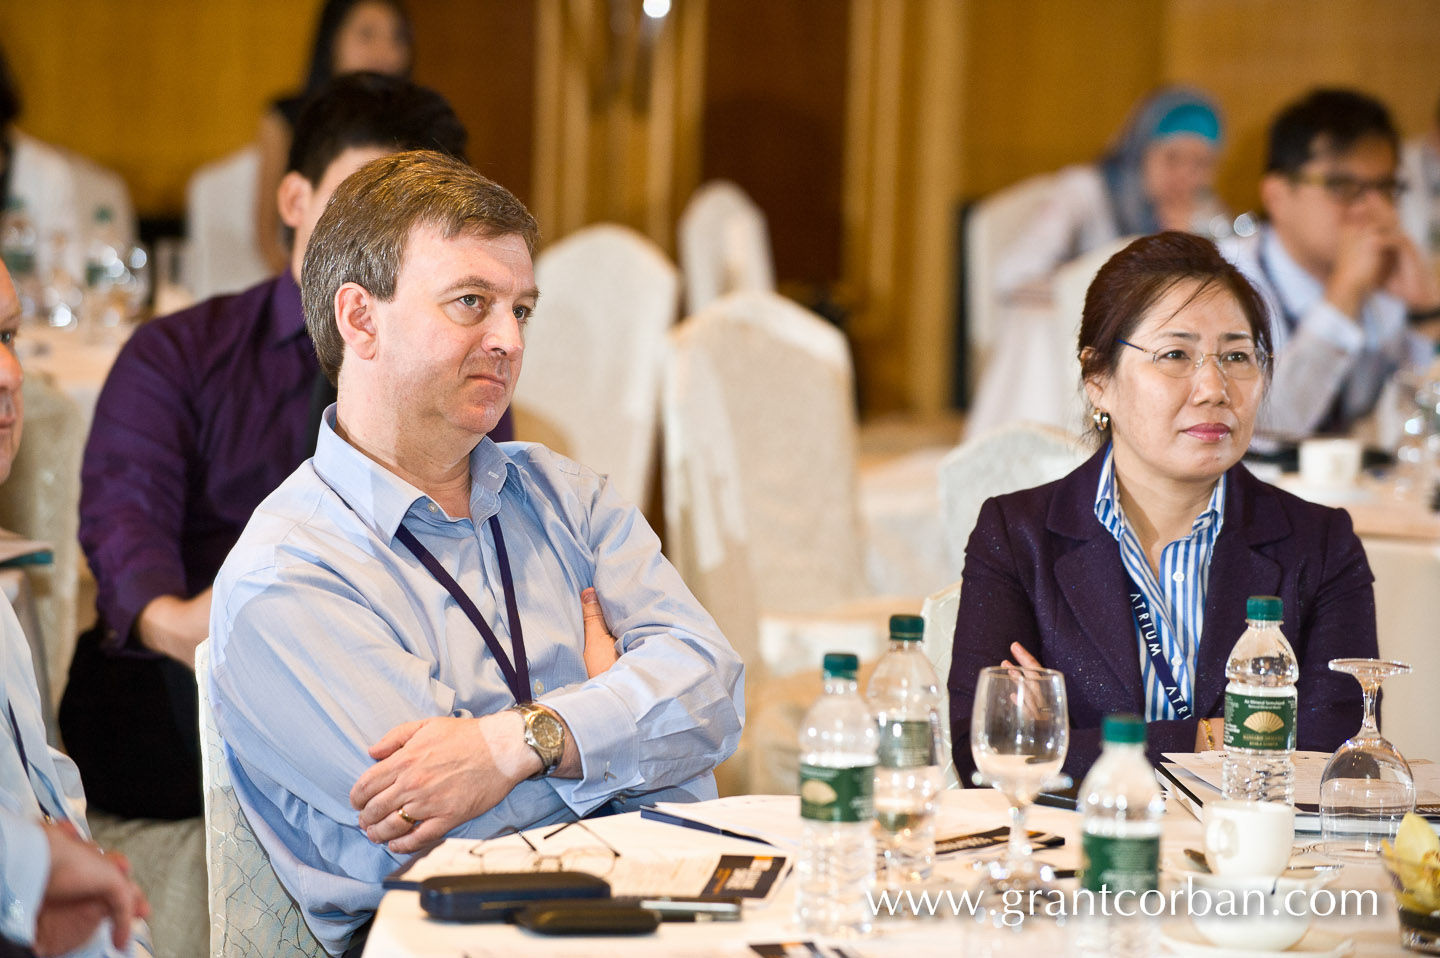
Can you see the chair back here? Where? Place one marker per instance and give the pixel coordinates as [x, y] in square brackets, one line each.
[724, 245]
[939, 612]
[760, 476]
[223, 254]
[1071, 283]
[994, 222]
[591, 383]
[251, 914]
[41, 500]
[1006, 459]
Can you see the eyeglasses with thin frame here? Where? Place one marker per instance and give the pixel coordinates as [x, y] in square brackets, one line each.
[1347, 189]
[593, 859]
[1181, 361]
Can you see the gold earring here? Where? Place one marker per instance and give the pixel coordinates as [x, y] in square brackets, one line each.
[1100, 418]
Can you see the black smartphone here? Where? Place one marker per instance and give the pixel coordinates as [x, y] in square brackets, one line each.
[587, 917]
[495, 896]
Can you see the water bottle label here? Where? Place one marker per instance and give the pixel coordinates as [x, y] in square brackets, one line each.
[1120, 864]
[1260, 722]
[20, 262]
[907, 744]
[837, 794]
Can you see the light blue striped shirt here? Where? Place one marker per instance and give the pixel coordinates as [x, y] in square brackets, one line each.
[1177, 599]
[326, 633]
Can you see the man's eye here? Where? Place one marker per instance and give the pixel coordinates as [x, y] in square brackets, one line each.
[7, 337]
[523, 313]
[470, 301]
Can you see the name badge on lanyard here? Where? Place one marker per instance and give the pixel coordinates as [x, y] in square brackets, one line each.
[1150, 638]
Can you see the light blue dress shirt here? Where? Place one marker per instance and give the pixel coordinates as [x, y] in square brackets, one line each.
[1321, 354]
[1176, 598]
[46, 783]
[326, 633]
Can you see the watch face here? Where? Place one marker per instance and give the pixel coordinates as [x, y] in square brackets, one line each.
[547, 731]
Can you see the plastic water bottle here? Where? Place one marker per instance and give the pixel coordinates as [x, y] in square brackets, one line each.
[1120, 839]
[904, 695]
[1260, 706]
[837, 808]
[105, 273]
[19, 246]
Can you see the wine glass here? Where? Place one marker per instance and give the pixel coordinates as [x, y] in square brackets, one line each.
[1019, 732]
[1367, 787]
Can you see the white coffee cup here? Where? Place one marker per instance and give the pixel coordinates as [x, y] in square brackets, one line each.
[1248, 839]
[1330, 463]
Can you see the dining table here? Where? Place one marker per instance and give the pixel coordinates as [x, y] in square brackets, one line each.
[402, 929]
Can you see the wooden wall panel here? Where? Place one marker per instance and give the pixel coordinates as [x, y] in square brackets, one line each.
[153, 89]
[481, 55]
[1258, 55]
[774, 122]
[1049, 82]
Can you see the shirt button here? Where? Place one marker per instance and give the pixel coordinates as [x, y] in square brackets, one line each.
[433, 508]
[539, 688]
[1178, 577]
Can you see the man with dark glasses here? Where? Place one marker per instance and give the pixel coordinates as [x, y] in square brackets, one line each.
[1352, 299]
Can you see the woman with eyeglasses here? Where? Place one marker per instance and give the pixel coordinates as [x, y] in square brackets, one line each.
[1174, 353]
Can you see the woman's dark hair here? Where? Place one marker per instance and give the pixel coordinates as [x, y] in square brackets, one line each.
[322, 53]
[1139, 276]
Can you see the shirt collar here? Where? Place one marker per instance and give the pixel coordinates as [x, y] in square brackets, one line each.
[1110, 514]
[382, 499]
[1296, 289]
[287, 313]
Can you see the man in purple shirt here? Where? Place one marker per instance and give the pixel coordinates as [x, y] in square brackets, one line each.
[204, 413]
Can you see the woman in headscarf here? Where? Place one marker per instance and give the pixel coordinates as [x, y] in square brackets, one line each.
[1158, 175]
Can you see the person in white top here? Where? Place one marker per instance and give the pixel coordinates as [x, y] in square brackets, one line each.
[1158, 175]
[1420, 203]
[1352, 299]
[59, 894]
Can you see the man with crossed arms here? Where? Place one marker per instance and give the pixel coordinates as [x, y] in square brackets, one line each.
[386, 618]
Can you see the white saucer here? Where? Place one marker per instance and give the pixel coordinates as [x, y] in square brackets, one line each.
[1182, 939]
[1350, 494]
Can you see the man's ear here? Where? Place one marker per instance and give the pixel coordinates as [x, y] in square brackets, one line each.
[355, 318]
[1274, 192]
[292, 198]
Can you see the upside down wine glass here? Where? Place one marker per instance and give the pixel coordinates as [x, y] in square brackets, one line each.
[1019, 732]
[1367, 786]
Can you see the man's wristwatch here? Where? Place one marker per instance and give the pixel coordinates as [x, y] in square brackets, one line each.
[544, 733]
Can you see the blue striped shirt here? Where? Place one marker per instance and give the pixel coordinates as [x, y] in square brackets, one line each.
[1177, 599]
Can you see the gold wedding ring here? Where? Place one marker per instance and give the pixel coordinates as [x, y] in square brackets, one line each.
[405, 817]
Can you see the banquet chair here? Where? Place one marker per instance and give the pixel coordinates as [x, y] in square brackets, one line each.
[251, 914]
[1072, 281]
[593, 355]
[724, 245]
[223, 254]
[761, 511]
[41, 500]
[1006, 459]
[939, 612]
[993, 223]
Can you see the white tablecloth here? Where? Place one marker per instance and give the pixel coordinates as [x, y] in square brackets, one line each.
[75, 359]
[402, 930]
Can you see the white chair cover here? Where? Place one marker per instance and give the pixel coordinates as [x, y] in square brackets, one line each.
[62, 190]
[251, 914]
[223, 255]
[1072, 281]
[939, 612]
[591, 378]
[993, 223]
[1012, 457]
[724, 245]
[41, 500]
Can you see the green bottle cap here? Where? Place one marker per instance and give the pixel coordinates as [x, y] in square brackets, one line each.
[1265, 608]
[906, 628]
[1123, 729]
[840, 665]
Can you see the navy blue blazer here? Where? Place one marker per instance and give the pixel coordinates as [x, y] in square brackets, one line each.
[1041, 570]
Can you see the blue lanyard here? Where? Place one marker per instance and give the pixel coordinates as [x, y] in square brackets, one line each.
[517, 675]
[25, 764]
[1150, 638]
